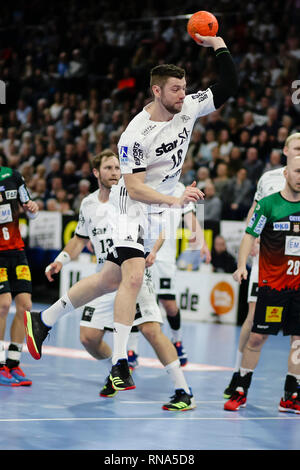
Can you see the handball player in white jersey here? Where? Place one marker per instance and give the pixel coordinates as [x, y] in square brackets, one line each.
[164, 274]
[270, 182]
[97, 315]
[151, 150]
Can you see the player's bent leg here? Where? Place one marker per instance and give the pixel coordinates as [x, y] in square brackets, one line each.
[174, 320]
[38, 324]
[161, 344]
[124, 312]
[92, 341]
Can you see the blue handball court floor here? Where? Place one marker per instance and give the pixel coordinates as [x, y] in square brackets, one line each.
[62, 410]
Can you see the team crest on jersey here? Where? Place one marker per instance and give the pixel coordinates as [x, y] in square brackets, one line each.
[185, 118]
[296, 228]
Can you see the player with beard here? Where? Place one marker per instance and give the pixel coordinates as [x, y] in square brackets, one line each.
[152, 150]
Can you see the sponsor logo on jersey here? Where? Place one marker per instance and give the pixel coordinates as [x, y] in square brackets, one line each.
[2, 188]
[124, 154]
[3, 275]
[253, 219]
[165, 148]
[168, 177]
[23, 272]
[11, 194]
[274, 314]
[260, 224]
[5, 214]
[24, 197]
[281, 226]
[294, 218]
[292, 246]
[137, 153]
[148, 130]
[200, 96]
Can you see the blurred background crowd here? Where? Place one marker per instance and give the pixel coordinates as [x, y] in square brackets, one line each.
[77, 72]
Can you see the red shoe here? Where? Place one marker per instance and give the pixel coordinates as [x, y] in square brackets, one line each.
[7, 379]
[19, 375]
[292, 405]
[237, 401]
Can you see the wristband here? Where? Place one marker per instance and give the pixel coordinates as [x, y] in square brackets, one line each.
[63, 257]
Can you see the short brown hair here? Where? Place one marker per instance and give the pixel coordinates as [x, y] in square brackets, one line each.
[160, 74]
[97, 160]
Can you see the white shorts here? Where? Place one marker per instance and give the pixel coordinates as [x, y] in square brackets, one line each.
[164, 277]
[137, 229]
[253, 281]
[99, 313]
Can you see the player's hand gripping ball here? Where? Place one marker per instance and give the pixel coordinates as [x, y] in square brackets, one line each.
[203, 23]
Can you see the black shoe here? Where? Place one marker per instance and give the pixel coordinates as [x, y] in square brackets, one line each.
[108, 391]
[120, 376]
[36, 332]
[181, 401]
[228, 392]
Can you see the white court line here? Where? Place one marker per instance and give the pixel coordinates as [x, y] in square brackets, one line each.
[143, 361]
[239, 418]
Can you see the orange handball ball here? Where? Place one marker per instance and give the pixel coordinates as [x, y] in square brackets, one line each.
[203, 23]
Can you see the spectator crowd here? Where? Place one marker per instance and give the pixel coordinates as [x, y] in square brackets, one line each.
[77, 72]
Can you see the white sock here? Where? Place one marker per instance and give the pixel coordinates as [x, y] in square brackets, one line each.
[175, 372]
[133, 341]
[244, 372]
[238, 360]
[15, 355]
[176, 335]
[107, 363]
[2, 353]
[120, 339]
[57, 310]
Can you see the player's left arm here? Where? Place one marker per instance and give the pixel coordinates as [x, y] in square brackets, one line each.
[150, 260]
[227, 84]
[30, 207]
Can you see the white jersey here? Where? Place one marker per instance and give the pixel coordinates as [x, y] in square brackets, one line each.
[93, 225]
[270, 182]
[159, 148]
[167, 252]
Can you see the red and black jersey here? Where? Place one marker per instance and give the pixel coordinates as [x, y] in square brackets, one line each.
[13, 192]
[277, 222]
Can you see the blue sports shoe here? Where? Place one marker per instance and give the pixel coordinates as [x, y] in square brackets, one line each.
[19, 375]
[182, 356]
[133, 362]
[7, 379]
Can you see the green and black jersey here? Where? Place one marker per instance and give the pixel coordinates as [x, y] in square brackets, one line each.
[277, 222]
